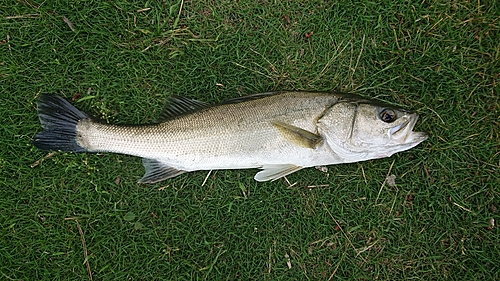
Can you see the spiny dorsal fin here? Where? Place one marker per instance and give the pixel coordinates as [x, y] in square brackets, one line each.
[178, 106]
[274, 172]
[157, 171]
[249, 97]
[297, 135]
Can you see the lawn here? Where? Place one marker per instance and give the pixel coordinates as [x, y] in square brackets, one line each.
[66, 216]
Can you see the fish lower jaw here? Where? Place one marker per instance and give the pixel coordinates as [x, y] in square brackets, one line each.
[397, 148]
[418, 137]
[408, 138]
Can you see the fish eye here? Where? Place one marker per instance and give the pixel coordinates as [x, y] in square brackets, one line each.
[387, 115]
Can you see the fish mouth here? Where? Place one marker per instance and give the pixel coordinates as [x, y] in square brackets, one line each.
[404, 134]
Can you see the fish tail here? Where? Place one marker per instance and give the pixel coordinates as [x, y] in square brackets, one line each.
[59, 120]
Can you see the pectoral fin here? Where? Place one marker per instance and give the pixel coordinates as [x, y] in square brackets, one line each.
[297, 135]
[157, 171]
[274, 172]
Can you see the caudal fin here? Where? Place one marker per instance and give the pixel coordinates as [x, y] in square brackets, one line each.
[59, 119]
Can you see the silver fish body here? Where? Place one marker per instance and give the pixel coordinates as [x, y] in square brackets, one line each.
[279, 133]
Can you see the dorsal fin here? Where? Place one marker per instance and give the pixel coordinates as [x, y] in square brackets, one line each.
[249, 97]
[178, 106]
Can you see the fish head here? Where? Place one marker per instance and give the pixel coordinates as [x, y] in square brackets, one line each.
[362, 130]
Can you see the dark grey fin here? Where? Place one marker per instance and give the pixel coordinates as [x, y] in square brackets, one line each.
[249, 97]
[178, 106]
[59, 119]
[297, 135]
[274, 172]
[157, 171]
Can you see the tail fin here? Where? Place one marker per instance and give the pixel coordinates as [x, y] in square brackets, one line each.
[59, 119]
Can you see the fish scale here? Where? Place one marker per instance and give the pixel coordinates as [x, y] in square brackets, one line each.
[279, 132]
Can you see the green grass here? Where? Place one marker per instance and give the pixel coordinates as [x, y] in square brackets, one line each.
[440, 59]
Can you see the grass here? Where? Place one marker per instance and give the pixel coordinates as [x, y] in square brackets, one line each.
[123, 59]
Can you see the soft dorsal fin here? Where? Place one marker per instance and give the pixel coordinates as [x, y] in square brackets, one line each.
[157, 171]
[178, 106]
[297, 135]
[274, 172]
[249, 97]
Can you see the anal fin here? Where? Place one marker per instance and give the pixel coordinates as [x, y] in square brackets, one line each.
[157, 171]
[274, 172]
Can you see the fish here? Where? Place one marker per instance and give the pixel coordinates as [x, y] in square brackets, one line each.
[277, 132]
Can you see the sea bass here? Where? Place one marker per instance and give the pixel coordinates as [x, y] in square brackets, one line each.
[279, 133]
